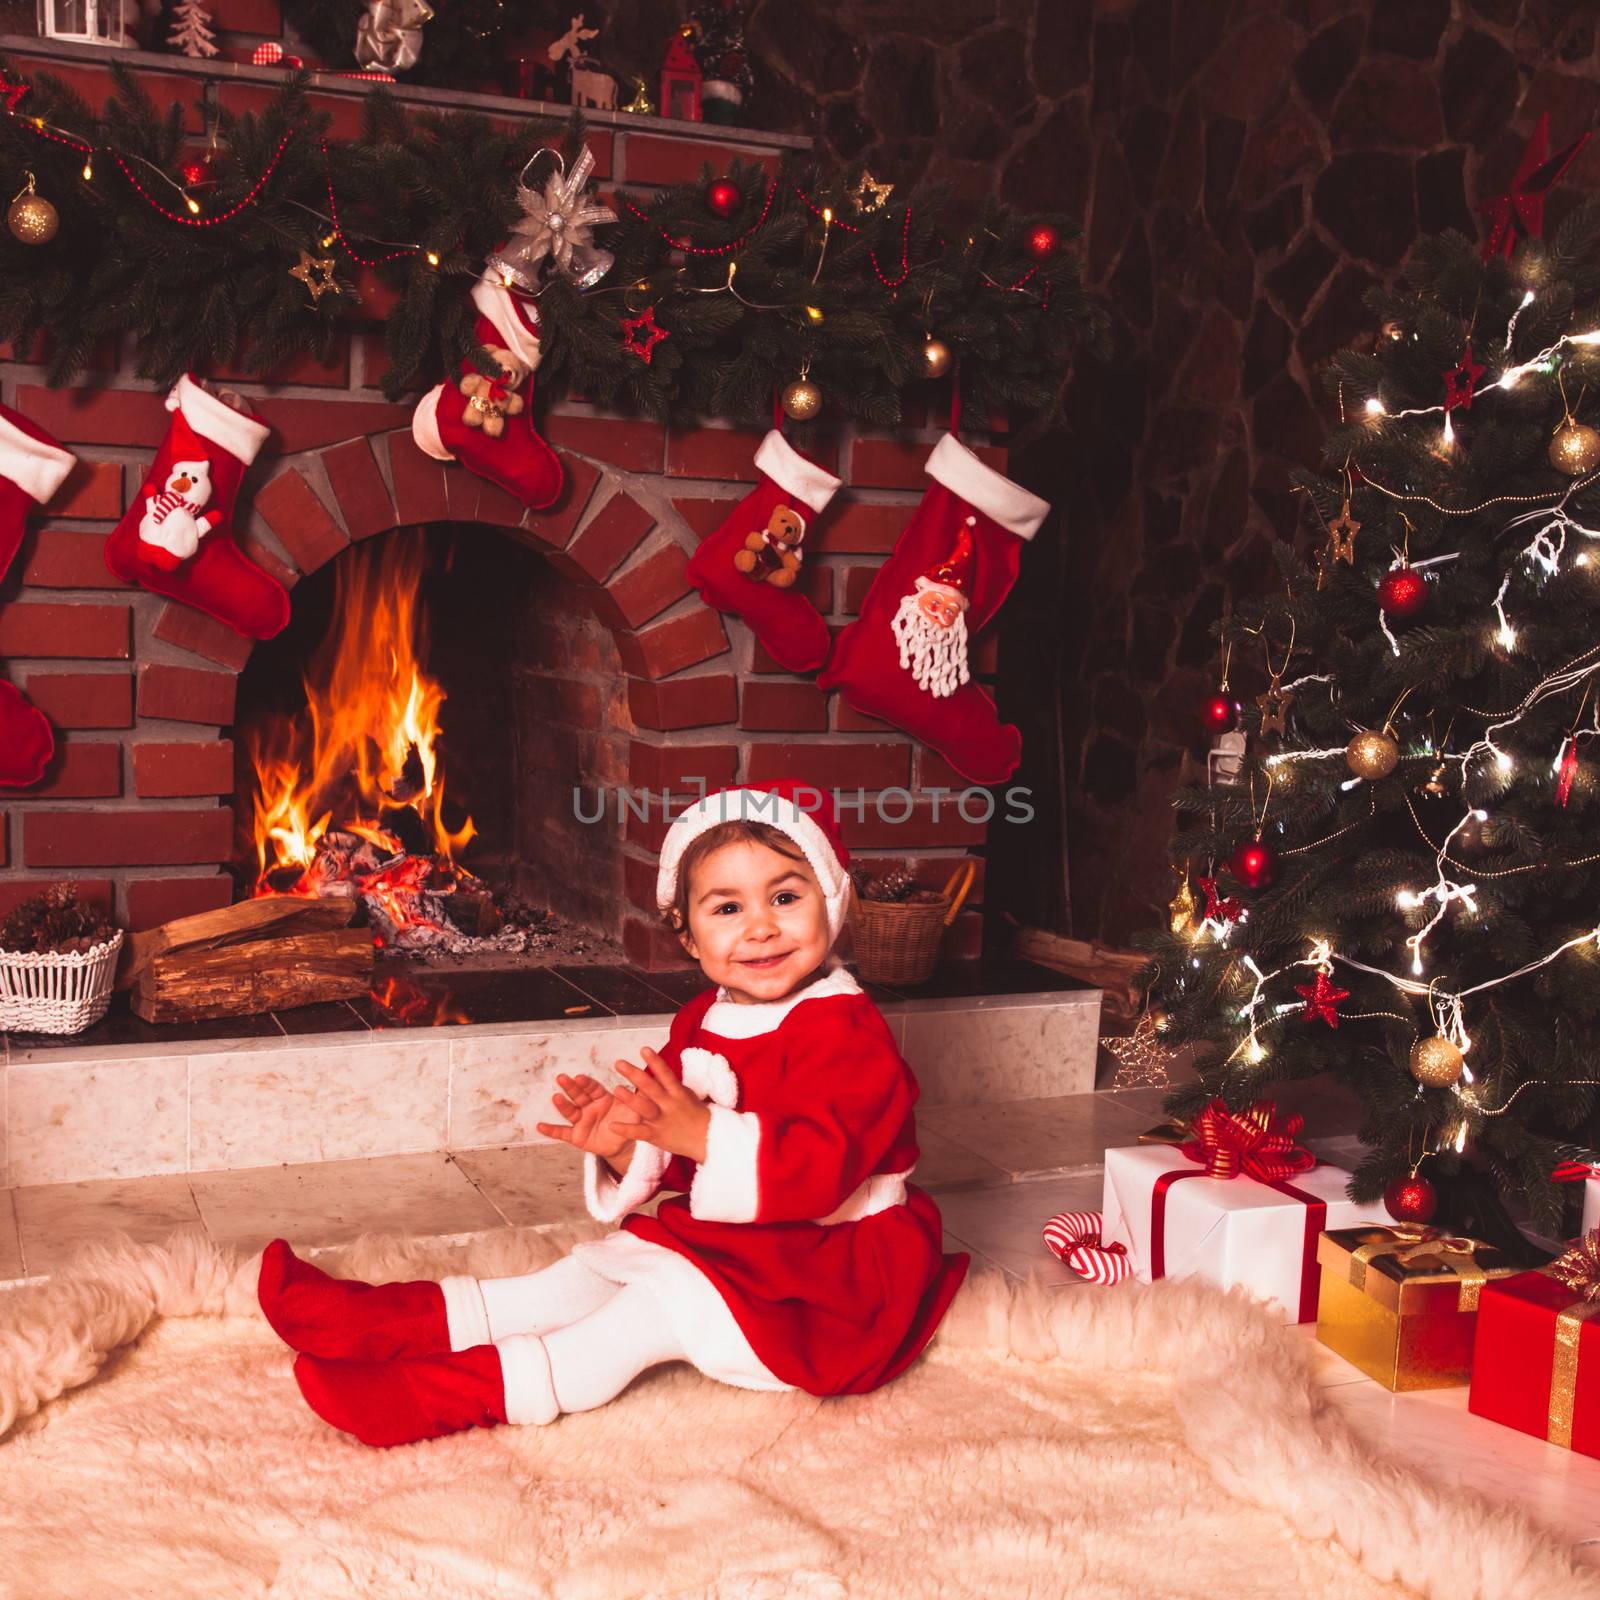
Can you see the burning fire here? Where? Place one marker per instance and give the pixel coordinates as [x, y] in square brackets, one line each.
[364, 757]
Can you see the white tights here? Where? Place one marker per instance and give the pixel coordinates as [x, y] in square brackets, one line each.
[597, 1336]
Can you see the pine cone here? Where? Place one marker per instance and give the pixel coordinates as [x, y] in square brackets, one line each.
[53, 921]
[896, 884]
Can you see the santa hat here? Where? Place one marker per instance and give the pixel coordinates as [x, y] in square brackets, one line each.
[800, 810]
[954, 573]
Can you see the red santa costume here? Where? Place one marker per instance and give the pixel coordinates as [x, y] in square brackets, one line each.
[797, 1255]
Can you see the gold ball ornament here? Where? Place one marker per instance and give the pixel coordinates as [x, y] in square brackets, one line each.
[1372, 754]
[31, 218]
[1575, 449]
[802, 400]
[1436, 1063]
[1394, 332]
[935, 358]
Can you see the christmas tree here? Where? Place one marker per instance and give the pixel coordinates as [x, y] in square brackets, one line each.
[1400, 882]
[191, 30]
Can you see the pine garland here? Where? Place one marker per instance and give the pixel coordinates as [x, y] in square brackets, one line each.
[446, 183]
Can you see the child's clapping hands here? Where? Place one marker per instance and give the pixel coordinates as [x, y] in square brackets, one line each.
[605, 1123]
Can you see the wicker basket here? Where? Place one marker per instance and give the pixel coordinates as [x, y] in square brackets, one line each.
[898, 941]
[54, 993]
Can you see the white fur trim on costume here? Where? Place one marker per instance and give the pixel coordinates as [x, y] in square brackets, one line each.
[529, 1387]
[874, 1194]
[216, 421]
[38, 469]
[425, 425]
[465, 1314]
[805, 480]
[607, 1199]
[756, 805]
[984, 489]
[494, 301]
[710, 1076]
[729, 1019]
[724, 1186]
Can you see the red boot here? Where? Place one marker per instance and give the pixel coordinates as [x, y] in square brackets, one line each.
[491, 432]
[399, 1402]
[346, 1321]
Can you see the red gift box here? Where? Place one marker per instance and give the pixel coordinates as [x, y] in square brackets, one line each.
[1536, 1363]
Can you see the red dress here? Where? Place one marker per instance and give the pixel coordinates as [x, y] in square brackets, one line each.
[800, 1215]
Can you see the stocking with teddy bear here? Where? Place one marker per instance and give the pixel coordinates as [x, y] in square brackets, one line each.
[751, 564]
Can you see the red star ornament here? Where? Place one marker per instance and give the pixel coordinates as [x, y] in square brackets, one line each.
[641, 335]
[1223, 910]
[1461, 379]
[1519, 212]
[1320, 998]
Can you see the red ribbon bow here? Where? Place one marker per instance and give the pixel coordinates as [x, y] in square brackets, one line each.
[1252, 1142]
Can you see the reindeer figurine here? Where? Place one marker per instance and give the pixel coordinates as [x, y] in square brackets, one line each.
[590, 86]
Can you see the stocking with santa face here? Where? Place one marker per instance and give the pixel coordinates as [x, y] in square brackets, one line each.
[177, 536]
[904, 660]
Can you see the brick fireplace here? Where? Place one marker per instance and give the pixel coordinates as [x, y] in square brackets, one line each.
[627, 679]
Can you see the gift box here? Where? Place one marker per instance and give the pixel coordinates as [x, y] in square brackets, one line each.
[1180, 1214]
[1401, 1303]
[1536, 1365]
[1591, 1205]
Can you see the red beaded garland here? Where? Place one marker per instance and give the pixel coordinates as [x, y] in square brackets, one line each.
[1411, 1199]
[1403, 592]
[1255, 865]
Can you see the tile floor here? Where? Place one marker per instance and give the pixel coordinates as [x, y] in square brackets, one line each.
[999, 1171]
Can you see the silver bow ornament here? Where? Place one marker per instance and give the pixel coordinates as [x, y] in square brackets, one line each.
[389, 34]
[556, 224]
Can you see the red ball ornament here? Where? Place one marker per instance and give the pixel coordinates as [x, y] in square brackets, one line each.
[722, 198]
[1221, 714]
[1411, 1200]
[1403, 592]
[1255, 865]
[1042, 242]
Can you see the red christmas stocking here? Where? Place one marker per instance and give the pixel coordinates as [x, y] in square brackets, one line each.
[177, 537]
[905, 658]
[32, 467]
[751, 564]
[486, 424]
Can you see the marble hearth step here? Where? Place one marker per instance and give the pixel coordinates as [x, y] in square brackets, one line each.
[340, 1083]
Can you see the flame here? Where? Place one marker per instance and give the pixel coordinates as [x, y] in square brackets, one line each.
[369, 737]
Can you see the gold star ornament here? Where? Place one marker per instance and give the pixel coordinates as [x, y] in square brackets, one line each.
[316, 274]
[870, 195]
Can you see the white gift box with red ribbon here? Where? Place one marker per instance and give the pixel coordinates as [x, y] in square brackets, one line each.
[1177, 1222]
[1591, 1204]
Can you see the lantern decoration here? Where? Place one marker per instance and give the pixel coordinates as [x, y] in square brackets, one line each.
[680, 80]
[85, 22]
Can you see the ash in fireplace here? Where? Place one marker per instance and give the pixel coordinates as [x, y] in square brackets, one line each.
[425, 905]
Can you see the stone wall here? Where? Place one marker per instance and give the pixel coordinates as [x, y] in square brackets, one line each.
[1244, 172]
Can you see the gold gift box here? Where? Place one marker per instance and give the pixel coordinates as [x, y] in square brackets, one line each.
[1402, 1303]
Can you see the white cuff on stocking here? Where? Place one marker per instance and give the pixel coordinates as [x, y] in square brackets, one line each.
[493, 300]
[425, 425]
[984, 489]
[792, 473]
[37, 468]
[217, 422]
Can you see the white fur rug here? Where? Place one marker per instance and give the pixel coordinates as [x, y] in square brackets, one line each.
[1089, 1445]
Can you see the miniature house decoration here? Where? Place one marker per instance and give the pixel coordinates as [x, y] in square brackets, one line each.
[84, 21]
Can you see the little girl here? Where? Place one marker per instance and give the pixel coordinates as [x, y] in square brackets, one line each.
[792, 1254]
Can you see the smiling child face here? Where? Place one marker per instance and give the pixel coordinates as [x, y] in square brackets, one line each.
[758, 924]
